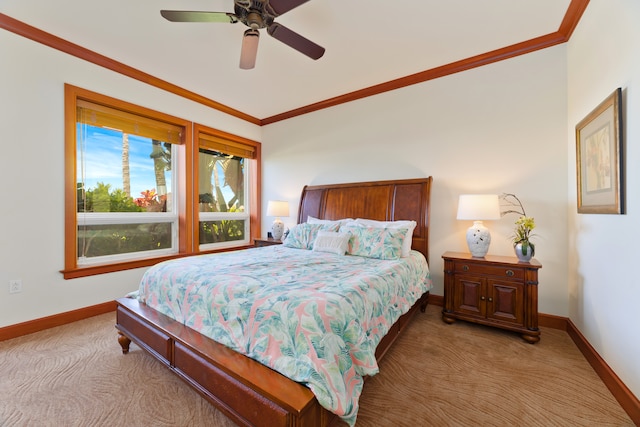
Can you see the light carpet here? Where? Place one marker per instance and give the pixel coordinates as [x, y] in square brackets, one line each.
[436, 375]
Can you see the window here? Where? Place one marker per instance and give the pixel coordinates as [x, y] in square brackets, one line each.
[223, 177]
[124, 212]
[136, 184]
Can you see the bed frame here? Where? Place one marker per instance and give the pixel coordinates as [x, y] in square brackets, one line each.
[248, 392]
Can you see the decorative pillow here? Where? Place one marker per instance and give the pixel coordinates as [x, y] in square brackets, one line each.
[313, 220]
[370, 242]
[331, 241]
[303, 235]
[409, 225]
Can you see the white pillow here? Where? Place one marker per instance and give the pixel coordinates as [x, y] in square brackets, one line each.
[410, 225]
[331, 241]
[313, 220]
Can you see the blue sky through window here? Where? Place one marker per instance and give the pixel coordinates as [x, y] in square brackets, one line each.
[103, 160]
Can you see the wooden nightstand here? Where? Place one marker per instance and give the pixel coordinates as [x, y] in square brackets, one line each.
[266, 242]
[496, 291]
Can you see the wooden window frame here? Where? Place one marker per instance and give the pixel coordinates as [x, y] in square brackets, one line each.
[217, 140]
[186, 179]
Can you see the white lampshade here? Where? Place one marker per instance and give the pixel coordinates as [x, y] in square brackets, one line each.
[277, 208]
[249, 49]
[478, 207]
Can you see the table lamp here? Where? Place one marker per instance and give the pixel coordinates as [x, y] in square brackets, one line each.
[478, 207]
[277, 209]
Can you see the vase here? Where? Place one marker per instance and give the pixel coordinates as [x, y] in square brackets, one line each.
[277, 229]
[524, 254]
[478, 239]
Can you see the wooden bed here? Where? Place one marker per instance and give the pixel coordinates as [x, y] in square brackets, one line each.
[248, 392]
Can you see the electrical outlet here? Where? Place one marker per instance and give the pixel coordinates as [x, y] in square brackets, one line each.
[15, 286]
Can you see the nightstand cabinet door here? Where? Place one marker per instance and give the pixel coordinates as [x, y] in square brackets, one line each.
[505, 302]
[468, 296]
[495, 291]
[500, 301]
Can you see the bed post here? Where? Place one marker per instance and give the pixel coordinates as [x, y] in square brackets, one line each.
[124, 342]
[424, 300]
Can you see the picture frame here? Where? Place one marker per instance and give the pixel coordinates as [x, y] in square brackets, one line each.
[599, 158]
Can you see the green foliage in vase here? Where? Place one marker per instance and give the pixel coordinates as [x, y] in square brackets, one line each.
[524, 224]
[522, 233]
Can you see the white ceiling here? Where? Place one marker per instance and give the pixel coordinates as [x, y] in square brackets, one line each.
[367, 42]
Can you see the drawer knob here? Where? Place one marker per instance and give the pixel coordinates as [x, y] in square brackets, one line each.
[465, 268]
[510, 273]
[482, 298]
[490, 299]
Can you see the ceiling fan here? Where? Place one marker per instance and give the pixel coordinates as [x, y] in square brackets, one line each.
[256, 15]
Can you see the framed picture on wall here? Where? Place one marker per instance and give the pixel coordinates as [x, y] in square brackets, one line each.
[599, 158]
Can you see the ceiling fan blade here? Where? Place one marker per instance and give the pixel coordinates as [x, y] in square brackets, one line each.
[295, 40]
[281, 6]
[194, 16]
[249, 50]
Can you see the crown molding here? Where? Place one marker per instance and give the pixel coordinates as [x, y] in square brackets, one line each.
[32, 33]
[570, 21]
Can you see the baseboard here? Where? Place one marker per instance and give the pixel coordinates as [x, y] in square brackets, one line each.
[37, 325]
[623, 395]
[436, 300]
[552, 321]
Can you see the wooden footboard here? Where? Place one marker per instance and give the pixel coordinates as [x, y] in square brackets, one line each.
[248, 392]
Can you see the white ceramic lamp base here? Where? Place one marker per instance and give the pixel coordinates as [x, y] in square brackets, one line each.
[478, 239]
[277, 229]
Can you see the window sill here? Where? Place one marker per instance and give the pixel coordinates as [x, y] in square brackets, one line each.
[93, 270]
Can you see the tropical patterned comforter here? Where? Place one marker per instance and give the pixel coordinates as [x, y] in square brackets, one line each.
[315, 317]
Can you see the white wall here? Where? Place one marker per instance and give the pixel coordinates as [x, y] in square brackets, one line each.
[499, 128]
[604, 289]
[32, 79]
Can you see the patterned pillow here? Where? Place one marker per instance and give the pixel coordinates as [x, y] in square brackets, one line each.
[409, 225]
[380, 243]
[331, 241]
[303, 235]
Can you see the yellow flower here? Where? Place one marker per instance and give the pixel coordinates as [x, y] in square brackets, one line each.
[524, 225]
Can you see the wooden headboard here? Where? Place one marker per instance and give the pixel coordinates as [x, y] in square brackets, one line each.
[406, 199]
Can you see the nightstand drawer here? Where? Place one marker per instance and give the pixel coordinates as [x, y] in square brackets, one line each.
[267, 242]
[505, 272]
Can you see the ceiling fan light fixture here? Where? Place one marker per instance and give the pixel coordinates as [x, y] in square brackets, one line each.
[249, 49]
[255, 14]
